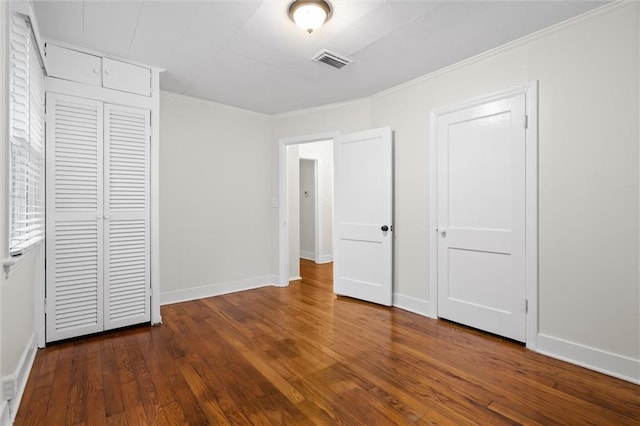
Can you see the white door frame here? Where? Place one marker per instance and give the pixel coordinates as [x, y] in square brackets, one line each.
[531, 202]
[316, 209]
[283, 228]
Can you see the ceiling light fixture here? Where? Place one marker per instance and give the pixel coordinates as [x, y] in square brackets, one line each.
[310, 14]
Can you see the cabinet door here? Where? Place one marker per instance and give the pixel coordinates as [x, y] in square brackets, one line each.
[126, 77]
[74, 243]
[72, 65]
[127, 273]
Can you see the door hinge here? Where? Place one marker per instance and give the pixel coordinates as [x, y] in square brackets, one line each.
[46, 308]
[526, 306]
[526, 121]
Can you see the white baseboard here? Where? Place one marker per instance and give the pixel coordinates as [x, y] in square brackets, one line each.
[217, 289]
[594, 359]
[15, 383]
[295, 278]
[321, 260]
[274, 280]
[308, 255]
[5, 416]
[411, 304]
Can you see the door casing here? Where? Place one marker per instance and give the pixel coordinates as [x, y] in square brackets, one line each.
[531, 201]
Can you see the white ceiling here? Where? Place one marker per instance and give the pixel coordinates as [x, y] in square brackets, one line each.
[247, 53]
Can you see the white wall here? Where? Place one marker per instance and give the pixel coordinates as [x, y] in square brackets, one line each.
[307, 196]
[215, 199]
[18, 311]
[588, 71]
[323, 152]
[17, 329]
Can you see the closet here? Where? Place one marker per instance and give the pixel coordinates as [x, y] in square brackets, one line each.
[98, 207]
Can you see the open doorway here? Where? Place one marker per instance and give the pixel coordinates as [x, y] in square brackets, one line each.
[362, 237]
[309, 204]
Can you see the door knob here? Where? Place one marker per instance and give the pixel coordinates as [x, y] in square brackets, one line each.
[443, 233]
[384, 228]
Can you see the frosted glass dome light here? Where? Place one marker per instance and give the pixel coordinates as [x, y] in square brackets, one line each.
[309, 14]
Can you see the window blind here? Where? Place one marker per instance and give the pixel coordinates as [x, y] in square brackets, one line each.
[26, 135]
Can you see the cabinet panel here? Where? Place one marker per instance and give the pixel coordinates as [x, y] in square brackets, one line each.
[72, 65]
[126, 77]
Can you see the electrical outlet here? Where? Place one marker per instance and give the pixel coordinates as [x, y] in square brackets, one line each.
[10, 388]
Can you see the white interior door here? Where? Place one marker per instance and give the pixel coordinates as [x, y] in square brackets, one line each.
[481, 216]
[127, 275]
[363, 241]
[74, 244]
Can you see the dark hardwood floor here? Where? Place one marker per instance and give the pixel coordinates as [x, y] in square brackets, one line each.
[299, 355]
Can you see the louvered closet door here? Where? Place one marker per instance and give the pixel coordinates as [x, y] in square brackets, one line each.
[74, 217]
[127, 274]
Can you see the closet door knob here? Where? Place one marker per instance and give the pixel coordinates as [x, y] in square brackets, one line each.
[384, 228]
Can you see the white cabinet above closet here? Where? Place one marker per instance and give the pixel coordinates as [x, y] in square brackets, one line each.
[81, 67]
[73, 65]
[131, 78]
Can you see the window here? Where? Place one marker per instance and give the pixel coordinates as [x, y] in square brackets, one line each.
[26, 138]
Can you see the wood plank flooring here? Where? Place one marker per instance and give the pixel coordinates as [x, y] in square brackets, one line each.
[300, 355]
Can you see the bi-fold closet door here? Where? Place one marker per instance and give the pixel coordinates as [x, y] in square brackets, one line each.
[98, 251]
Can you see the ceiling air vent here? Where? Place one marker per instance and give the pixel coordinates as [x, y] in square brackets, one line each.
[331, 59]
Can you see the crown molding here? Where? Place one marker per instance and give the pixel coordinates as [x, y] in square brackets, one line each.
[194, 100]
